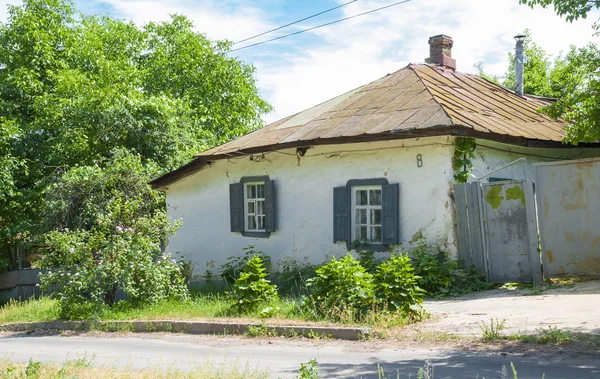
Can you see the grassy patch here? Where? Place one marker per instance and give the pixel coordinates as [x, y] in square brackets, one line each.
[83, 369]
[42, 309]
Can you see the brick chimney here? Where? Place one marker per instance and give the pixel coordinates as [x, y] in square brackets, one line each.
[440, 51]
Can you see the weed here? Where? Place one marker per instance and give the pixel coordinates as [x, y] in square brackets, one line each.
[252, 290]
[260, 331]
[33, 369]
[232, 269]
[492, 331]
[309, 370]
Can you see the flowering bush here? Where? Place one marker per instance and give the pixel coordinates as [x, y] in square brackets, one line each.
[121, 252]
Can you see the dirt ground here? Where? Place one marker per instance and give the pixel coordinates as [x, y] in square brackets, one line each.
[574, 307]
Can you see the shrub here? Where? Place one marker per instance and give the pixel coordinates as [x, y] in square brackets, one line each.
[340, 289]
[231, 270]
[252, 290]
[396, 286]
[122, 251]
[292, 278]
[435, 269]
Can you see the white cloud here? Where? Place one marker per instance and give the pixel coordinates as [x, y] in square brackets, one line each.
[298, 72]
[366, 48]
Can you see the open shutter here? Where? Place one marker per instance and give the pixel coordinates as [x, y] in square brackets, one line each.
[236, 206]
[391, 214]
[270, 206]
[341, 214]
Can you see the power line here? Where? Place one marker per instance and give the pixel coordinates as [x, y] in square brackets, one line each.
[319, 26]
[295, 22]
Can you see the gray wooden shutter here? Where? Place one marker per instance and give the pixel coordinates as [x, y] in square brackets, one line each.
[270, 206]
[236, 206]
[391, 214]
[341, 214]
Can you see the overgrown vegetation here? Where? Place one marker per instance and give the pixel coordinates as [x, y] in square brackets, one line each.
[397, 286]
[79, 89]
[441, 276]
[231, 270]
[341, 290]
[252, 290]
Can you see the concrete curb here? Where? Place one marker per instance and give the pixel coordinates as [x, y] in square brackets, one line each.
[194, 327]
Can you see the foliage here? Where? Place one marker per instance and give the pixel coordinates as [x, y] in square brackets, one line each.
[461, 160]
[571, 78]
[291, 279]
[342, 288]
[121, 252]
[536, 69]
[434, 268]
[366, 258]
[230, 271]
[309, 370]
[572, 9]
[576, 81]
[76, 88]
[396, 286]
[77, 197]
[441, 276]
[252, 290]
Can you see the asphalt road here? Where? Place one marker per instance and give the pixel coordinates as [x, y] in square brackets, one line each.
[283, 356]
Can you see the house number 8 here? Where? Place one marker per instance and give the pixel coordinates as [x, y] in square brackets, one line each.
[419, 160]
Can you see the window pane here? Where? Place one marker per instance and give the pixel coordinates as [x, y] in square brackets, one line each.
[261, 207]
[251, 223]
[361, 216]
[251, 191]
[375, 197]
[260, 191]
[362, 236]
[361, 197]
[261, 222]
[376, 234]
[375, 216]
[251, 207]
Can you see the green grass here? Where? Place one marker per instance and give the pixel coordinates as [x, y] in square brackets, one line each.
[200, 306]
[43, 309]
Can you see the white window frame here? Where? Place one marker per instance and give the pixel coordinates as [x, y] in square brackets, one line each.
[255, 201]
[354, 207]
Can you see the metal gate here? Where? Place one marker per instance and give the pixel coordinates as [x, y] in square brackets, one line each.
[497, 230]
[569, 216]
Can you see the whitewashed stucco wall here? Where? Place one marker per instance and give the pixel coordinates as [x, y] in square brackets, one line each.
[304, 197]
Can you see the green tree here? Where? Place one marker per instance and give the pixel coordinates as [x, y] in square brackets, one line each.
[571, 9]
[75, 88]
[575, 76]
[572, 79]
[537, 69]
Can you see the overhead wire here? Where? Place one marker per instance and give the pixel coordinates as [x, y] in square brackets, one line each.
[319, 26]
[295, 22]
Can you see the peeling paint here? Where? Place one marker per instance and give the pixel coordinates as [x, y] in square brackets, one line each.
[493, 197]
[515, 193]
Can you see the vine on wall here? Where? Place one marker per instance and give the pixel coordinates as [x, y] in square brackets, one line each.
[461, 161]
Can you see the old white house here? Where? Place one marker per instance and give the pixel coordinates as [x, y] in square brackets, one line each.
[373, 164]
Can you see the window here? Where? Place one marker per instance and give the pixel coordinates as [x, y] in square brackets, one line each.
[366, 214]
[255, 206]
[252, 206]
[367, 211]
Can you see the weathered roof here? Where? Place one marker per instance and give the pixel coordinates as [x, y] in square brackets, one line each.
[418, 100]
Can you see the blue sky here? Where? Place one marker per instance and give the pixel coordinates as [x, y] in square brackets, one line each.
[298, 72]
